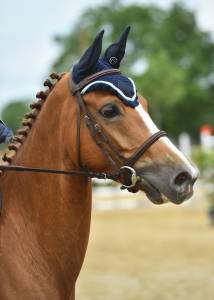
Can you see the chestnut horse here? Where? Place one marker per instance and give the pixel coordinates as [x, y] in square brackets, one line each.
[45, 218]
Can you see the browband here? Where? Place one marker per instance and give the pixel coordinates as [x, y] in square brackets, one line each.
[79, 86]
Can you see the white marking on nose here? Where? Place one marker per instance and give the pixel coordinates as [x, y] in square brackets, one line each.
[146, 119]
[153, 129]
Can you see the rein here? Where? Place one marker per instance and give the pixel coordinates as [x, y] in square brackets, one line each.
[124, 171]
[60, 172]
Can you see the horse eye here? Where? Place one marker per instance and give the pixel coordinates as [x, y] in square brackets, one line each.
[109, 111]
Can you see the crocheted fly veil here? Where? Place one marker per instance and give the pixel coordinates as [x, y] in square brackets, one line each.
[91, 63]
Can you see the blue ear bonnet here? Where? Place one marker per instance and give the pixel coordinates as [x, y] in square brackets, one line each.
[121, 86]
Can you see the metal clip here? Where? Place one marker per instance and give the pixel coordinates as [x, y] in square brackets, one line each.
[87, 120]
[97, 128]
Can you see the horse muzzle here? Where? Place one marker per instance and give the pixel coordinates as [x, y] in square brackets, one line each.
[161, 183]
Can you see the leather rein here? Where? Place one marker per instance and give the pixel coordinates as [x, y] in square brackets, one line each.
[124, 171]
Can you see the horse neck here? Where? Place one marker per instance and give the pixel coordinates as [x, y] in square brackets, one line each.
[46, 217]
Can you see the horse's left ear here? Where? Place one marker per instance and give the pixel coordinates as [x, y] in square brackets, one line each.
[115, 52]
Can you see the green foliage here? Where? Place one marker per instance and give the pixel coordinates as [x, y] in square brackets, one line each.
[205, 162]
[13, 113]
[178, 59]
[203, 159]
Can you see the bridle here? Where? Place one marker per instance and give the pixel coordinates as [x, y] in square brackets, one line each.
[125, 172]
[123, 168]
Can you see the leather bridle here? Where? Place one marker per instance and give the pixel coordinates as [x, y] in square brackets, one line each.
[123, 168]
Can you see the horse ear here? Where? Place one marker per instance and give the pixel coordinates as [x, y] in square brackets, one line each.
[115, 52]
[88, 60]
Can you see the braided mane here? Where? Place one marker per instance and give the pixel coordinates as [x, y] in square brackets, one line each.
[29, 118]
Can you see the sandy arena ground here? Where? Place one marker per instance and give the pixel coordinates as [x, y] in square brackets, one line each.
[159, 253]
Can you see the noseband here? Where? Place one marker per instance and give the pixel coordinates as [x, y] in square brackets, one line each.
[123, 168]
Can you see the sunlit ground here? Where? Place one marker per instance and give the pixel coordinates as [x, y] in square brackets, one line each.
[151, 253]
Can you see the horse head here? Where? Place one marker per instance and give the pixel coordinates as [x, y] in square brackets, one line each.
[163, 172]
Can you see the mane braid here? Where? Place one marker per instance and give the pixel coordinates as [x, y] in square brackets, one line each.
[29, 118]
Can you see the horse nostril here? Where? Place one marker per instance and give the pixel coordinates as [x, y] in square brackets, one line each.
[182, 178]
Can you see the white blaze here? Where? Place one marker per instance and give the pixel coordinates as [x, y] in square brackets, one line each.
[153, 129]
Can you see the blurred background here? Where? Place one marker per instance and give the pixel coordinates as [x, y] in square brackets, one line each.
[136, 250]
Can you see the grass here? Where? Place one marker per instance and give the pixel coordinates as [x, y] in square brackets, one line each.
[159, 253]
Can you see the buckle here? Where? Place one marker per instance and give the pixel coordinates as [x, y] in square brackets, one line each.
[130, 173]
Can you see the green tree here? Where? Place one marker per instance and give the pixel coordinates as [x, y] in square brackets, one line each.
[13, 113]
[168, 56]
